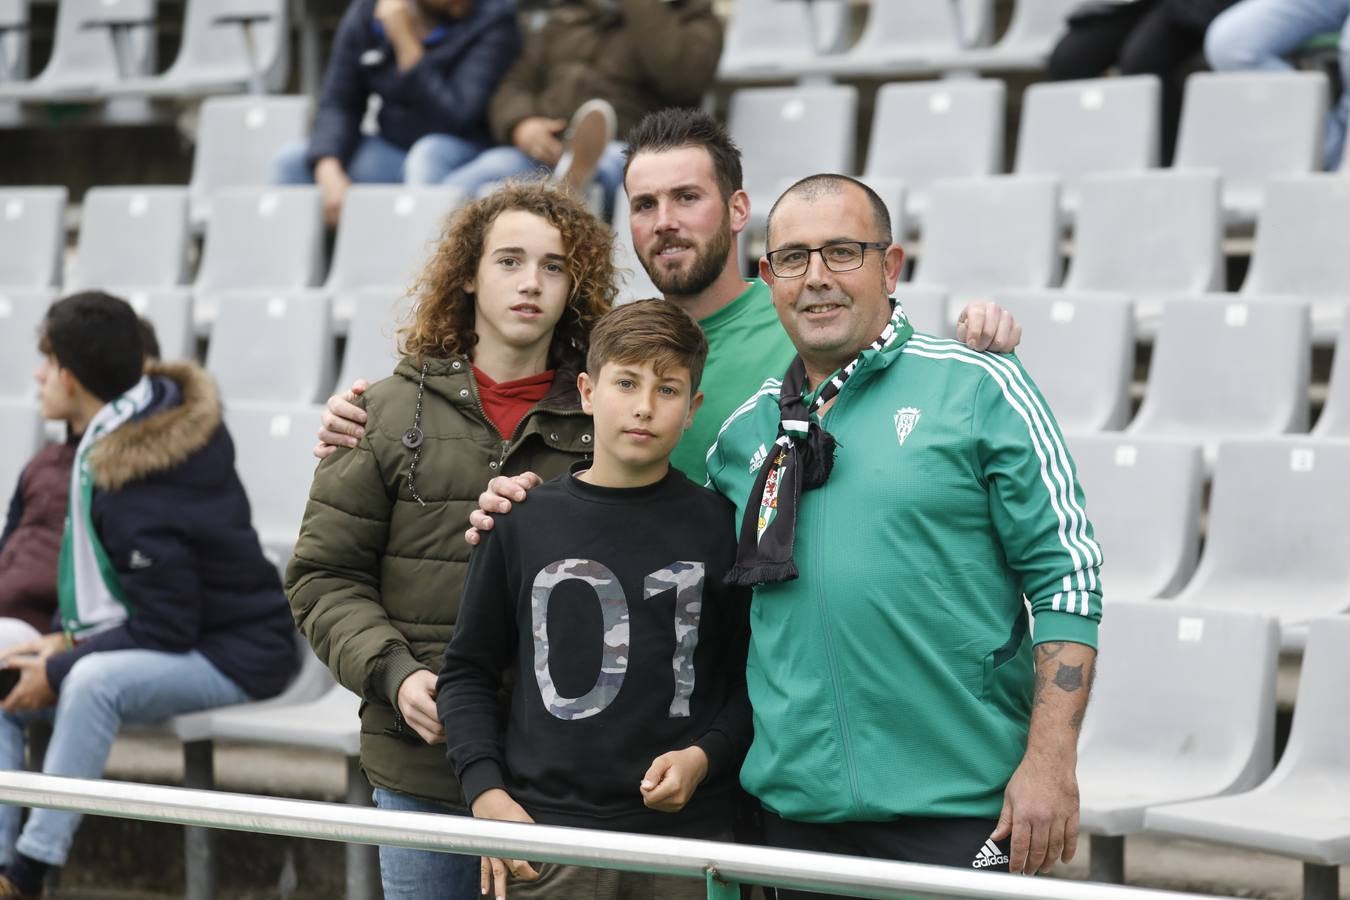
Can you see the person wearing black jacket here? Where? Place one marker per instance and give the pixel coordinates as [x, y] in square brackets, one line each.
[604, 597]
[433, 65]
[167, 603]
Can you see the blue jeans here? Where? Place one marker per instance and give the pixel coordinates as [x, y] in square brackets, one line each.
[376, 161]
[424, 874]
[1258, 34]
[491, 167]
[102, 691]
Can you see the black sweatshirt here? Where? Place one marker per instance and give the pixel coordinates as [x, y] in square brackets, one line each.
[557, 593]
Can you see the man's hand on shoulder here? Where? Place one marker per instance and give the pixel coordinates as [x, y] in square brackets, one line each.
[494, 871]
[341, 424]
[501, 492]
[988, 326]
[673, 777]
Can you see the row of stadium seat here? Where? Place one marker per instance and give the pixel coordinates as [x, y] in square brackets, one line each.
[777, 39]
[104, 52]
[1179, 739]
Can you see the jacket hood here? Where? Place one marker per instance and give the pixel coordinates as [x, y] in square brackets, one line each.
[180, 421]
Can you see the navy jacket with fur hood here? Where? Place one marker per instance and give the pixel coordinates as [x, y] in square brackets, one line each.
[175, 522]
[447, 92]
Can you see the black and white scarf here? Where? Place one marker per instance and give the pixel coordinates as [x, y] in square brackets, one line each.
[801, 459]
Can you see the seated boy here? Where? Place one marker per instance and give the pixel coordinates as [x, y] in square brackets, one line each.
[167, 603]
[604, 598]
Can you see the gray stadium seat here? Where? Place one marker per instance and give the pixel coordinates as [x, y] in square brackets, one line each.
[768, 39]
[1223, 370]
[1183, 707]
[1277, 527]
[1123, 243]
[132, 237]
[384, 238]
[25, 438]
[1033, 31]
[260, 239]
[237, 140]
[892, 192]
[923, 131]
[1334, 422]
[170, 311]
[982, 235]
[1080, 350]
[787, 133]
[32, 236]
[1145, 495]
[1075, 128]
[903, 37]
[1216, 132]
[634, 282]
[372, 339]
[13, 41]
[1300, 248]
[272, 444]
[272, 348]
[21, 313]
[1300, 810]
[228, 46]
[84, 57]
[927, 309]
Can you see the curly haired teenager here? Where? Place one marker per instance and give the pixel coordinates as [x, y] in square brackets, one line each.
[498, 336]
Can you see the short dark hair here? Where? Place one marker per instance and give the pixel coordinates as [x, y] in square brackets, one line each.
[813, 186]
[674, 128]
[149, 342]
[98, 338]
[655, 331]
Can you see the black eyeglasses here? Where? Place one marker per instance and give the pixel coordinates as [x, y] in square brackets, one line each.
[841, 256]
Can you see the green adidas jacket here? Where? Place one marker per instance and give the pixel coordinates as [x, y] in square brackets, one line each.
[894, 677]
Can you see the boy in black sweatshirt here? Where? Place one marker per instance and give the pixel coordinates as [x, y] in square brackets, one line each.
[604, 596]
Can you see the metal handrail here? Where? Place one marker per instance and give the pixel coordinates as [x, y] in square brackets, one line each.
[723, 865]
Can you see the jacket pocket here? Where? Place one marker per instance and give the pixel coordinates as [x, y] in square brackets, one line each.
[998, 660]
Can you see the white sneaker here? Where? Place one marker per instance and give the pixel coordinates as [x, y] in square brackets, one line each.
[594, 125]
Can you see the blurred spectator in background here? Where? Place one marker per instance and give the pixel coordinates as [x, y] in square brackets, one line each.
[30, 543]
[167, 602]
[1259, 34]
[629, 57]
[432, 65]
[1138, 37]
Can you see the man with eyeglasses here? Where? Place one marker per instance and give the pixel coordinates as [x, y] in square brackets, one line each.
[902, 501]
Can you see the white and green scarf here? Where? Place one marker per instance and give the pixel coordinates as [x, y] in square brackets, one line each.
[89, 593]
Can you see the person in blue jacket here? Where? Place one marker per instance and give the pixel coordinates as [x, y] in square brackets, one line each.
[167, 603]
[433, 65]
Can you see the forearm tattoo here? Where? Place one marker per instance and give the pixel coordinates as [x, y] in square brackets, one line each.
[1070, 679]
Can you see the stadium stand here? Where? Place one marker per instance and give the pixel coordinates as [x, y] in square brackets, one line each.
[1216, 131]
[1300, 810]
[32, 236]
[21, 312]
[906, 37]
[1275, 542]
[775, 39]
[272, 456]
[988, 234]
[1299, 248]
[132, 237]
[383, 238]
[1079, 348]
[923, 131]
[96, 43]
[1122, 243]
[1223, 370]
[1334, 422]
[24, 440]
[1033, 30]
[13, 41]
[228, 46]
[272, 348]
[634, 282]
[927, 309]
[237, 139]
[1075, 128]
[1145, 495]
[372, 349]
[260, 239]
[1155, 732]
[170, 311]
